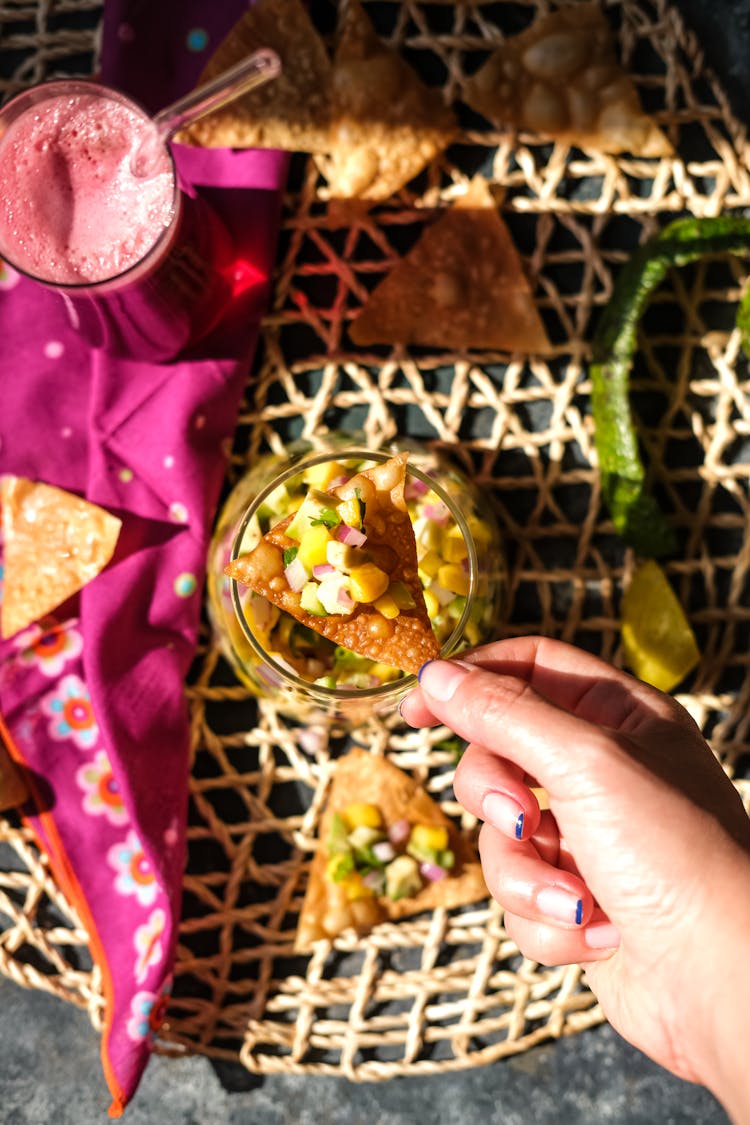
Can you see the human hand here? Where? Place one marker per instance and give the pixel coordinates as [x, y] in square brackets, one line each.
[640, 870]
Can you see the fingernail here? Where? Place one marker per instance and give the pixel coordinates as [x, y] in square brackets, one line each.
[503, 813]
[440, 678]
[601, 935]
[561, 905]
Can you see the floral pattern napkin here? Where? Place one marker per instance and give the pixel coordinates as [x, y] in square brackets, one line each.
[92, 700]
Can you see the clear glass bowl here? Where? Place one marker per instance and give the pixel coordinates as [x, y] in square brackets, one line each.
[432, 481]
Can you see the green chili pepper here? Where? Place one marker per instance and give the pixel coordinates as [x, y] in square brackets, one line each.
[635, 513]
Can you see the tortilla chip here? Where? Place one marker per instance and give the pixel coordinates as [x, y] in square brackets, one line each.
[561, 78]
[386, 124]
[326, 910]
[406, 642]
[55, 543]
[291, 112]
[461, 286]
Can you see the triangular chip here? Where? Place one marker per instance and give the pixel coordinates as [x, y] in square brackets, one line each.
[292, 111]
[386, 124]
[561, 78]
[54, 544]
[405, 641]
[328, 907]
[461, 286]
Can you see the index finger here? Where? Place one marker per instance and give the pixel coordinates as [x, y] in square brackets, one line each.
[570, 678]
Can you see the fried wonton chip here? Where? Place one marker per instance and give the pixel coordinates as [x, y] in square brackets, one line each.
[406, 641]
[291, 112]
[461, 286]
[327, 910]
[55, 543]
[561, 78]
[386, 124]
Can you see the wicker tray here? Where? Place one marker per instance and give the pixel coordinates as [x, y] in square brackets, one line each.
[450, 990]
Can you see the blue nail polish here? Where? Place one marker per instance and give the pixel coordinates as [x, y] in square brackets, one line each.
[519, 827]
[421, 670]
[579, 912]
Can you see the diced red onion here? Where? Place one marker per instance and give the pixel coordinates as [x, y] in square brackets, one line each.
[344, 599]
[400, 831]
[432, 872]
[373, 880]
[296, 574]
[438, 513]
[337, 482]
[321, 569]
[352, 536]
[443, 596]
[384, 851]
[465, 565]
[415, 487]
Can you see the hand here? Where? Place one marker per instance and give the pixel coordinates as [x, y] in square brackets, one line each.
[640, 870]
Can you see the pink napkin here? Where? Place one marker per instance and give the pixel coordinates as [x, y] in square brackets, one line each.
[93, 700]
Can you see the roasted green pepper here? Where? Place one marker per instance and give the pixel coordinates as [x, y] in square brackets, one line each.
[635, 513]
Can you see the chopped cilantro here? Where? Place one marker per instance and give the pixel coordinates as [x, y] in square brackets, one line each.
[290, 554]
[329, 517]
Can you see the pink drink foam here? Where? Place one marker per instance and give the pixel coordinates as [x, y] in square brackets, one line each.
[71, 211]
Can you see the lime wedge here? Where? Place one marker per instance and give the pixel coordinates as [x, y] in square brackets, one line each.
[657, 640]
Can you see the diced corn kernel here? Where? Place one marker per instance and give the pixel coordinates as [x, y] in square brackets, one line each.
[432, 604]
[357, 814]
[430, 563]
[368, 582]
[350, 512]
[454, 578]
[453, 547]
[387, 607]
[320, 476]
[313, 546]
[355, 888]
[431, 837]
[428, 538]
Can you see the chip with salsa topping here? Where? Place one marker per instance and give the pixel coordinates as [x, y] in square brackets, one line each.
[345, 565]
[54, 544]
[386, 850]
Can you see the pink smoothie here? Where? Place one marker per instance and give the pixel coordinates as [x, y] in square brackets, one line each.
[71, 211]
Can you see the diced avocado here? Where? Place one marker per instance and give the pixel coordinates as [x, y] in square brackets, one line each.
[401, 595]
[326, 682]
[422, 854]
[363, 836]
[447, 859]
[344, 557]
[338, 837]
[329, 591]
[340, 866]
[310, 509]
[265, 514]
[309, 600]
[402, 878]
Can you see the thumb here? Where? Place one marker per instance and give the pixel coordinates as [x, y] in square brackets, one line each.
[507, 716]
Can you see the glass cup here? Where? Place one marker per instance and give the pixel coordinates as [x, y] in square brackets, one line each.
[176, 280]
[442, 502]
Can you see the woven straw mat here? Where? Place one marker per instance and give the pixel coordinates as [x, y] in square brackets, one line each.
[449, 990]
